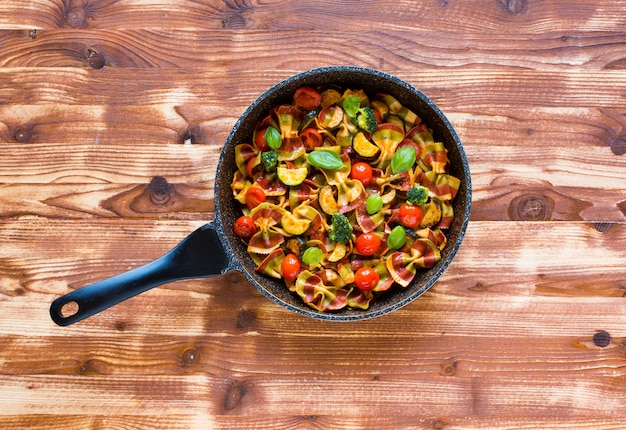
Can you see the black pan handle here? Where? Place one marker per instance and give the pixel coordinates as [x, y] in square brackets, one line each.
[199, 255]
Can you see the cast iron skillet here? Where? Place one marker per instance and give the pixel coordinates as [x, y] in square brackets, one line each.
[214, 249]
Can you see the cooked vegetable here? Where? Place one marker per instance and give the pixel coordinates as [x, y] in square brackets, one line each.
[366, 279]
[363, 146]
[270, 160]
[340, 229]
[245, 227]
[312, 256]
[364, 117]
[307, 97]
[292, 177]
[363, 172]
[368, 244]
[290, 267]
[411, 215]
[397, 238]
[254, 197]
[340, 209]
[417, 195]
[373, 204]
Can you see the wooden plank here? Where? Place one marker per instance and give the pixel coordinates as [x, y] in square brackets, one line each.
[502, 16]
[384, 47]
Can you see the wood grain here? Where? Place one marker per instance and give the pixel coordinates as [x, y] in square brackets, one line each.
[112, 118]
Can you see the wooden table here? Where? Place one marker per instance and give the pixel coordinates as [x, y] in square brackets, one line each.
[526, 329]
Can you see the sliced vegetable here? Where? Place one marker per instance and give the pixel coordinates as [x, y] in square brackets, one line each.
[292, 177]
[363, 146]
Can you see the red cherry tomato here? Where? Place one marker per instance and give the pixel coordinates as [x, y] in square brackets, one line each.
[290, 267]
[367, 244]
[260, 142]
[362, 171]
[245, 227]
[254, 197]
[307, 97]
[410, 215]
[366, 278]
[311, 138]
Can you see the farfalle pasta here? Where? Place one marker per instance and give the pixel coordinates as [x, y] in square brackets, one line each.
[344, 195]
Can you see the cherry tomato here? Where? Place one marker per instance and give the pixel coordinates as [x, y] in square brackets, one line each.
[368, 244]
[366, 278]
[307, 97]
[254, 197]
[311, 138]
[245, 227]
[260, 141]
[290, 267]
[410, 215]
[362, 171]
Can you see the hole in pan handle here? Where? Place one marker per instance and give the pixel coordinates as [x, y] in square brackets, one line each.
[199, 255]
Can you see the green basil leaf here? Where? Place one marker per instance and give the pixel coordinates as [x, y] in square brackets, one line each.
[403, 159]
[373, 204]
[397, 238]
[327, 160]
[312, 256]
[272, 137]
[351, 105]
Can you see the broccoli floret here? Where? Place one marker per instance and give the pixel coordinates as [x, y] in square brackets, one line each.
[365, 118]
[340, 228]
[417, 195]
[270, 160]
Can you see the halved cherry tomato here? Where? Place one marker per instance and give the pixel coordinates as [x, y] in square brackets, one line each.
[307, 97]
[254, 197]
[250, 167]
[260, 141]
[367, 244]
[290, 267]
[366, 278]
[362, 171]
[411, 215]
[311, 138]
[245, 227]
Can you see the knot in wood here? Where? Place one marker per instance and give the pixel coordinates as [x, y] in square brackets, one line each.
[23, 135]
[190, 356]
[448, 369]
[438, 424]
[159, 190]
[95, 59]
[532, 208]
[245, 318]
[234, 22]
[602, 338]
[234, 394]
[76, 17]
[618, 146]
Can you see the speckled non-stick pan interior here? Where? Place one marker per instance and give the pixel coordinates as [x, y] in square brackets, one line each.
[372, 81]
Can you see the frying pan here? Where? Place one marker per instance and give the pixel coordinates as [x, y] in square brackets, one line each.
[214, 249]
